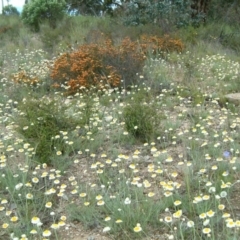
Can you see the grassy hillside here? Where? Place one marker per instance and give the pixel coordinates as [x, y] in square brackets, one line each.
[155, 157]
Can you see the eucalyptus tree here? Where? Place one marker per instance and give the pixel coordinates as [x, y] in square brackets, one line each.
[37, 11]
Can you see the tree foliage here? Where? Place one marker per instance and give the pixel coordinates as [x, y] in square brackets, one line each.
[163, 13]
[10, 10]
[225, 10]
[93, 7]
[83, 7]
[37, 11]
[135, 12]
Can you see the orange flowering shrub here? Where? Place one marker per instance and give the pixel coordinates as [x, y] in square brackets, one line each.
[105, 64]
[4, 29]
[23, 77]
[84, 68]
[126, 57]
[164, 44]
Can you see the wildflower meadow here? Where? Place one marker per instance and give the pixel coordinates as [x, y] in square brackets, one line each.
[119, 138]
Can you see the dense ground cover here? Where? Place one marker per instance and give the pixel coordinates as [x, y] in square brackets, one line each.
[156, 160]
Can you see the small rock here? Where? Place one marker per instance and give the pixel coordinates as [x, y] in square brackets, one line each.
[234, 98]
[91, 238]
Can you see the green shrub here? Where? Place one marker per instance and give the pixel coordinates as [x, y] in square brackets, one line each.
[39, 122]
[230, 40]
[225, 11]
[38, 11]
[142, 116]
